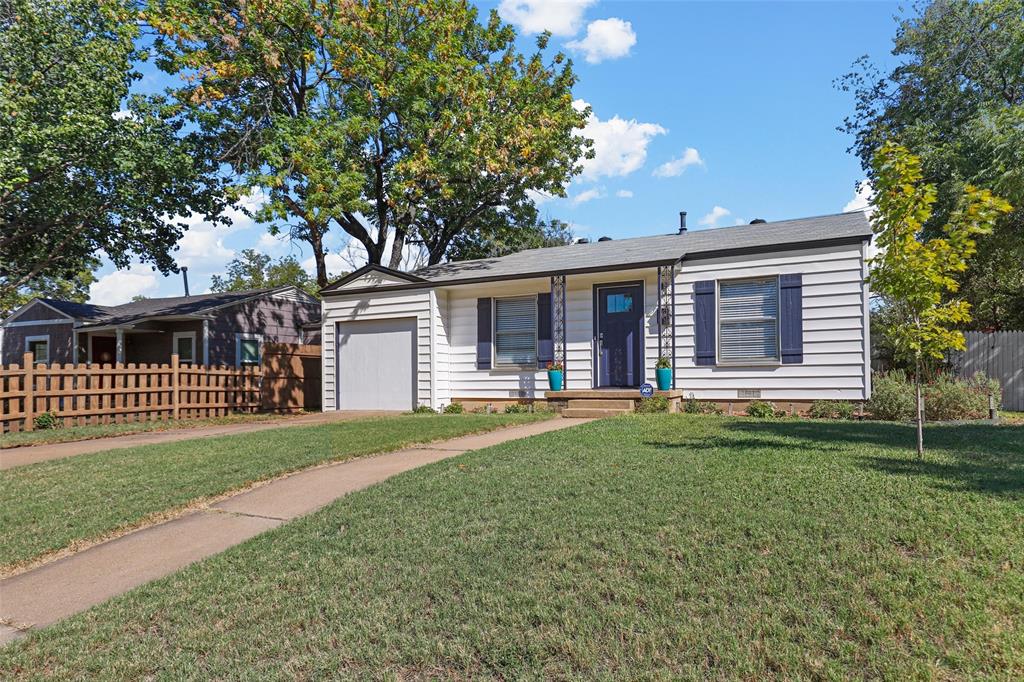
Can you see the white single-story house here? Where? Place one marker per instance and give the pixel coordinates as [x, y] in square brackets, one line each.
[777, 311]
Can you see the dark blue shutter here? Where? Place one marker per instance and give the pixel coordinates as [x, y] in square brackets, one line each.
[704, 321]
[483, 333]
[791, 319]
[545, 345]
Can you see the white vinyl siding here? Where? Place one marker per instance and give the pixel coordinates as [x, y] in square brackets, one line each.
[834, 337]
[748, 321]
[515, 332]
[378, 306]
[834, 322]
[466, 381]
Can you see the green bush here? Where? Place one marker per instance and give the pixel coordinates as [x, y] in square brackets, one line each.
[844, 410]
[517, 408]
[892, 397]
[761, 409]
[831, 409]
[658, 403]
[424, 409]
[948, 397]
[46, 420]
[694, 406]
[453, 408]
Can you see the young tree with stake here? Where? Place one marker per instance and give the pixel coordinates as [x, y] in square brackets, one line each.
[917, 277]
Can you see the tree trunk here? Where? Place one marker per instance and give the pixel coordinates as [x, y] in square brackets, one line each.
[396, 249]
[920, 411]
[319, 257]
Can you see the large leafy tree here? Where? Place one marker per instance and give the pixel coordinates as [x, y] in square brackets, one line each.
[86, 170]
[254, 270]
[956, 100]
[502, 240]
[395, 121]
[915, 276]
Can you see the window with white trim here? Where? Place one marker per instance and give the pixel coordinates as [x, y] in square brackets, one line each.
[515, 332]
[185, 346]
[247, 349]
[39, 346]
[748, 321]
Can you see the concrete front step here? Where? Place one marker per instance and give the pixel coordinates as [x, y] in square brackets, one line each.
[592, 412]
[601, 404]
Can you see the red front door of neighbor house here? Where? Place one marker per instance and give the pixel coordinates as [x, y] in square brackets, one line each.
[104, 350]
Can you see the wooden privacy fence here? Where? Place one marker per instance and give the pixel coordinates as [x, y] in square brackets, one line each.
[287, 379]
[291, 377]
[1000, 355]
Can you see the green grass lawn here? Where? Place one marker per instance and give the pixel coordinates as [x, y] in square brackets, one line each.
[72, 433]
[638, 547]
[47, 506]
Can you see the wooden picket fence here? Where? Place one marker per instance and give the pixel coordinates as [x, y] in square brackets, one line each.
[115, 394]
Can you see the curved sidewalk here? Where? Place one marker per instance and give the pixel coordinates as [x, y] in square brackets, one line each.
[54, 591]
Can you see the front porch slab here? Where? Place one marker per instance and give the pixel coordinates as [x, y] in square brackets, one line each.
[608, 394]
[605, 402]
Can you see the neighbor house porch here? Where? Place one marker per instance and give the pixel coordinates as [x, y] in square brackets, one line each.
[147, 342]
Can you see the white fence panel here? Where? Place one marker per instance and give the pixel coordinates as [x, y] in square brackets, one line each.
[999, 355]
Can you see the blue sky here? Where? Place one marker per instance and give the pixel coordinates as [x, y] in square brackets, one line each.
[726, 110]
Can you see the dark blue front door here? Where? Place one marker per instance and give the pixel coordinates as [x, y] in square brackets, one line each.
[620, 335]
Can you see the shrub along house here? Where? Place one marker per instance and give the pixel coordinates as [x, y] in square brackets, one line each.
[227, 328]
[777, 311]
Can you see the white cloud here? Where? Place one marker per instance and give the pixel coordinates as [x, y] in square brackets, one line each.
[121, 285]
[539, 197]
[717, 213]
[202, 246]
[624, 194]
[586, 195]
[620, 146]
[561, 17]
[273, 245]
[670, 169]
[861, 199]
[606, 39]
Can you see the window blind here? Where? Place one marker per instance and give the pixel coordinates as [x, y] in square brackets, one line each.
[748, 320]
[515, 331]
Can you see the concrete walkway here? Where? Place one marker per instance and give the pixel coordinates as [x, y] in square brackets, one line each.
[30, 454]
[60, 589]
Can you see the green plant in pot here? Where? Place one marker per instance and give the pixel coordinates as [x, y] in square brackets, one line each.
[663, 372]
[556, 375]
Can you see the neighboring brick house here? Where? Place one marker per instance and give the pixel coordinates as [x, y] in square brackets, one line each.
[226, 328]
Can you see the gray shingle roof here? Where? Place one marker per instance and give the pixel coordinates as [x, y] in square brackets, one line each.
[151, 307]
[641, 251]
[80, 311]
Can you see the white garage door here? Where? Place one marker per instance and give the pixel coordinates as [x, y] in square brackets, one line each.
[377, 364]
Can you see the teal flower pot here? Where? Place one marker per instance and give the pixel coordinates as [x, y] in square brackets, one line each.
[664, 378]
[555, 379]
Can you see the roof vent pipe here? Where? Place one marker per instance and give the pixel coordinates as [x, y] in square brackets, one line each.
[682, 222]
[758, 221]
[605, 239]
[184, 279]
